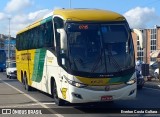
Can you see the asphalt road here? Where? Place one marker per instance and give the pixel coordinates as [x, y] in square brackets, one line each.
[13, 96]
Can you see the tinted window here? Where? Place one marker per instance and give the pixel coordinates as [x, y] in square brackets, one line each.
[38, 37]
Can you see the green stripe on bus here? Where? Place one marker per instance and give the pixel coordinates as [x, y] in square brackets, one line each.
[120, 79]
[38, 65]
[46, 20]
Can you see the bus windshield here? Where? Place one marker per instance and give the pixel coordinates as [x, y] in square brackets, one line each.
[100, 48]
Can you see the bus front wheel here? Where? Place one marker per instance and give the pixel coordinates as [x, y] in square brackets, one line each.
[57, 100]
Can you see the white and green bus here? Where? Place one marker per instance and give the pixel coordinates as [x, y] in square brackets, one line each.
[78, 56]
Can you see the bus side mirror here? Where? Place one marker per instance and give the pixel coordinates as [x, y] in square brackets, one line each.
[63, 38]
[63, 57]
[63, 45]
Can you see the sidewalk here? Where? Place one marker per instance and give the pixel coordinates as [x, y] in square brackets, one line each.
[153, 83]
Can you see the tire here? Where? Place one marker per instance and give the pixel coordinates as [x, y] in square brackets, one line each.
[10, 77]
[26, 86]
[57, 100]
[23, 82]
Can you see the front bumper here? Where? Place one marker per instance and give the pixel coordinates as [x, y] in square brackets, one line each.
[12, 75]
[86, 95]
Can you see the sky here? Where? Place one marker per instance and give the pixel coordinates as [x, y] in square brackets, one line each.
[20, 13]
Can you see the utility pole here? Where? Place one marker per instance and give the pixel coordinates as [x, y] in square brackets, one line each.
[9, 40]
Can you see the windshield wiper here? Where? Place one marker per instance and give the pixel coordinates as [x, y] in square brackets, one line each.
[96, 64]
[115, 63]
[94, 68]
[111, 60]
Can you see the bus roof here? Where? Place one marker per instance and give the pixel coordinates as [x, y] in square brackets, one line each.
[88, 15]
[78, 15]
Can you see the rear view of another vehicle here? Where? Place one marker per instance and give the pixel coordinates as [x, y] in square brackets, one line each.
[11, 70]
[156, 73]
[2, 60]
[152, 69]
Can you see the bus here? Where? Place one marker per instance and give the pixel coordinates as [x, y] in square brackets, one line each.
[2, 60]
[78, 56]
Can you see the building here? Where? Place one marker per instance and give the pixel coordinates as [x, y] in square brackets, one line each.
[7, 44]
[10, 45]
[151, 43]
[2, 38]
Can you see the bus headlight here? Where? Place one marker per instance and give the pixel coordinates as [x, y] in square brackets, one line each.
[76, 84]
[131, 81]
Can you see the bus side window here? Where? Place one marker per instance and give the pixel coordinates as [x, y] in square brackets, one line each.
[41, 37]
[21, 42]
[45, 35]
[29, 40]
[25, 39]
[17, 42]
[49, 34]
[35, 38]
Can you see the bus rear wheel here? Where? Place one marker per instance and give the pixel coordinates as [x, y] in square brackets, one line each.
[26, 86]
[57, 100]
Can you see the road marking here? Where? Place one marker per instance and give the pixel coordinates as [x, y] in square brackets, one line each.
[24, 105]
[33, 99]
[18, 105]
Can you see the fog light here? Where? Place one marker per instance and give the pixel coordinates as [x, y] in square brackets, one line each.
[77, 95]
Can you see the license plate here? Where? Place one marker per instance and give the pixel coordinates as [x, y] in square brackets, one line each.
[106, 98]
